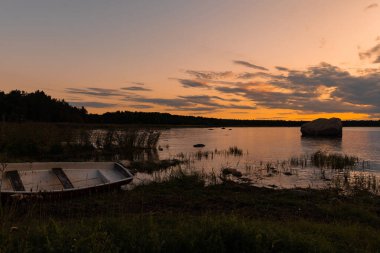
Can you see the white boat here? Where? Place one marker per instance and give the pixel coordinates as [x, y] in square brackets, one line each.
[62, 177]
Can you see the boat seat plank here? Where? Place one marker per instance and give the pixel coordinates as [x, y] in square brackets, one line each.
[103, 177]
[15, 180]
[63, 178]
[121, 170]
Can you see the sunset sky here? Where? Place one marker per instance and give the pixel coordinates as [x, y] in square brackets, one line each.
[243, 59]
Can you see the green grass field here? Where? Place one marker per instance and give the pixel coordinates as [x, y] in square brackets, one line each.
[182, 215]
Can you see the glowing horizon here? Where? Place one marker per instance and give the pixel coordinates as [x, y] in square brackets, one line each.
[291, 60]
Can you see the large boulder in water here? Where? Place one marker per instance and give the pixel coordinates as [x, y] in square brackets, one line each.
[323, 128]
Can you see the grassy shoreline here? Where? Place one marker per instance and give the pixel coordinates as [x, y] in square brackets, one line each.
[184, 215]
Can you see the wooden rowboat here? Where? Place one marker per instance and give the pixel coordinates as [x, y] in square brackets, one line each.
[63, 177]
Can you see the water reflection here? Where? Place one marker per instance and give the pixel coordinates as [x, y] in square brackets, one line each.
[364, 142]
[310, 144]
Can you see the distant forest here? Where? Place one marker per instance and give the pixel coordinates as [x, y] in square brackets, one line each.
[20, 106]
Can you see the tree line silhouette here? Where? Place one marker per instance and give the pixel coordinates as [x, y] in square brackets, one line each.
[20, 106]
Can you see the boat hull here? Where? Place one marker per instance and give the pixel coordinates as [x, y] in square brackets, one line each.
[47, 180]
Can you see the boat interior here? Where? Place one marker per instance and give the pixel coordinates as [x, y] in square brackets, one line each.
[47, 177]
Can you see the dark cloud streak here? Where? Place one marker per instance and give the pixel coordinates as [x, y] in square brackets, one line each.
[371, 6]
[372, 52]
[97, 92]
[209, 75]
[282, 68]
[186, 83]
[92, 104]
[250, 65]
[136, 88]
[193, 103]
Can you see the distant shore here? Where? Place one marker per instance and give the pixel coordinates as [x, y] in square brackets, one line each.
[20, 106]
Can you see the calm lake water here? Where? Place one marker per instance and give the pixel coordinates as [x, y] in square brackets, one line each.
[265, 148]
[273, 143]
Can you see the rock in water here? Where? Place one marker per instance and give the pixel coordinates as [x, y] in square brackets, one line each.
[323, 128]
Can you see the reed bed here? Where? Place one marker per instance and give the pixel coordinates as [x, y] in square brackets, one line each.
[43, 141]
[210, 154]
[235, 151]
[344, 172]
[333, 161]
